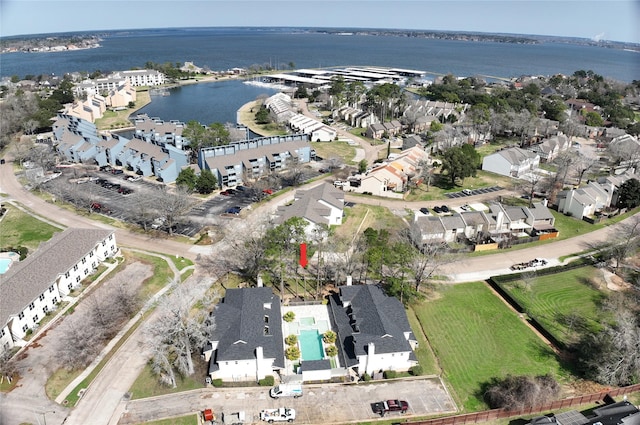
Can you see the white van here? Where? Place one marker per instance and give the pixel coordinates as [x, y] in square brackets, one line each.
[286, 390]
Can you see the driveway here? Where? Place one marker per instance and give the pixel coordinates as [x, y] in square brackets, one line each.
[320, 404]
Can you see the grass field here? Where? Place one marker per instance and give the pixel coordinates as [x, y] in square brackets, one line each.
[476, 337]
[182, 420]
[361, 216]
[147, 384]
[441, 185]
[564, 303]
[335, 149]
[21, 229]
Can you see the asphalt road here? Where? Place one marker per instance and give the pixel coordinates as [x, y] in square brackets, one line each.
[103, 401]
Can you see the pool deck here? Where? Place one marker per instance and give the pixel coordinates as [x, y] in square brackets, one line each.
[320, 312]
[12, 257]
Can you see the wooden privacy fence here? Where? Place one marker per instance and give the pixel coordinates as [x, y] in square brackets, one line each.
[488, 415]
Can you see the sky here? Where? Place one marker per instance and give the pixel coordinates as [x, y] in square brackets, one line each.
[614, 20]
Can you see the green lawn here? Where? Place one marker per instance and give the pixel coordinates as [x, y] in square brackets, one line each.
[21, 229]
[182, 420]
[566, 303]
[476, 337]
[147, 384]
[441, 185]
[328, 150]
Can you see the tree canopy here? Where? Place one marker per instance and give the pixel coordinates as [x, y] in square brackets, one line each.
[460, 162]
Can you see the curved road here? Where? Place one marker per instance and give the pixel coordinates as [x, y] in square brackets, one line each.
[105, 396]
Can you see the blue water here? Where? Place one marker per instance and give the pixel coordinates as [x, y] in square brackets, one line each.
[311, 345]
[204, 102]
[4, 265]
[225, 48]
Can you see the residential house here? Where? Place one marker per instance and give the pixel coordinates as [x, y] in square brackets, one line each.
[411, 141]
[393, 176]
[91, 109]
[318, 131]
[143, 77]
[33, 287]
[585, 201]
[550, 148]
[320, 206]
[373, 331]
[511, 162]
[380, 130]
[427, 229]
[247, 342]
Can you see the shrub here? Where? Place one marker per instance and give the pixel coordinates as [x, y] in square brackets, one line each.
[292, 353]
[289, 316]
[329, 337]
[268, 381]
[366, 377]
[416, 370]
[216, 382]
[390, 374]
[291, 340]
[519, 392]
[331, 351]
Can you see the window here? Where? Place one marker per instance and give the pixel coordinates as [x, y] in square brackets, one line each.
[266, 330]
[91, 254]
[1, 333]
[55, 300]
[84, 261]
[110, 237]
[24, 328]
[32, 306]
[94, 264]
[104, 243]
[35, 319]
[66, 275]
[41, 297]
[77, 278]
[75, 268]
[266, 319]
[51, 288]
[86, 272]
[69, 286]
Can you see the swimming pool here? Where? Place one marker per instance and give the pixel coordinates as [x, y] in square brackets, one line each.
[4, 265]
[311, 345]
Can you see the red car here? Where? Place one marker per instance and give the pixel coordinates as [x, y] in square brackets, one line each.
[268, 191]
[382, 407]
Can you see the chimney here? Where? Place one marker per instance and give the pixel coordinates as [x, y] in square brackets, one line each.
[259, 358]
[259, 281]
[499, 220]
[349, 280]
[371, 351]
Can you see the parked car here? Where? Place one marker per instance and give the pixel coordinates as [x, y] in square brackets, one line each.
[424, 210]
[225, 193]
[268, 191]
[383, 407]
[233, 210]
[444, 208]
[437, 209]
[231, 191]
[466, 192]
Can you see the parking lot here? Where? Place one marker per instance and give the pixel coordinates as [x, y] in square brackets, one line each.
[472, 192]
[320, 404]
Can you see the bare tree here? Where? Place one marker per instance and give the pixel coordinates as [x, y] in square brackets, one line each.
[174, 205]
[612, 356]
[144, 208]
[519, 392]
[583, 165]
[80, 343]
[178, 332]
[7, 365]
[430, 257]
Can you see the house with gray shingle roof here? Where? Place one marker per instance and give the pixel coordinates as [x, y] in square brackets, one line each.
[511, 162]
[247, 342]
[373, 331]
[34, 286]
[320, 206]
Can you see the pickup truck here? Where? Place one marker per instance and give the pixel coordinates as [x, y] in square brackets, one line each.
[283, 414]
[383, 407]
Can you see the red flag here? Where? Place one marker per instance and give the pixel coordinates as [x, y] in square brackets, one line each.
[303, 255]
